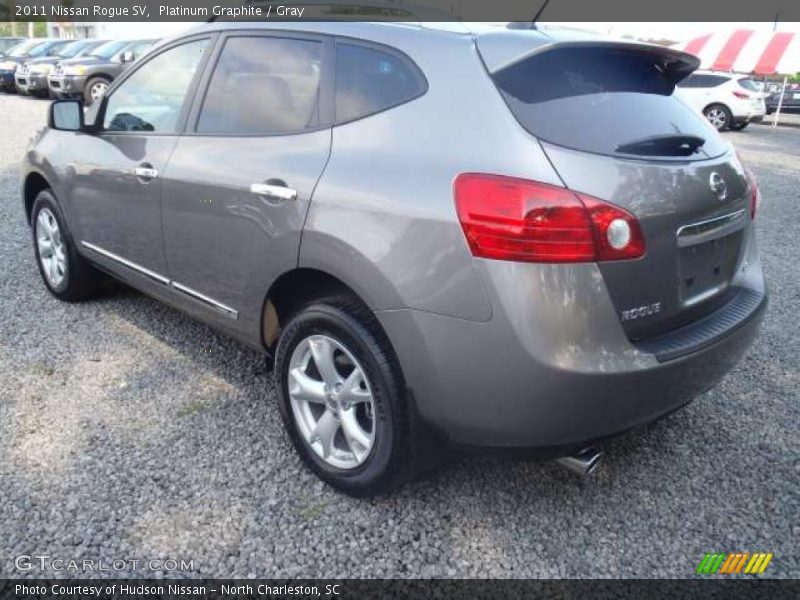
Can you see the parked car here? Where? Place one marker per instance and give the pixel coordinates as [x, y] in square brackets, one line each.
[32, 75]
[9, 63]
[790, 103]
[89, 76]
[728, 100]
[560, 259]
[7, 43]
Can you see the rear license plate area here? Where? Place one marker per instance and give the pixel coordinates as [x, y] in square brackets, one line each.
[707, 268]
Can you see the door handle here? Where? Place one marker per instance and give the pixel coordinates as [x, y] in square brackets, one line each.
[146, 172]
[274, 189]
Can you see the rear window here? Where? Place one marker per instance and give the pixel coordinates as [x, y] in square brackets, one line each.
[701, 80]
[749, 85]
[601, 100]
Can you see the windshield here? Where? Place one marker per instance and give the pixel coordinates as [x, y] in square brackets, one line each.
[44, 49]
[72, 49]
[8, 44]
[108, 49]
[24, 48]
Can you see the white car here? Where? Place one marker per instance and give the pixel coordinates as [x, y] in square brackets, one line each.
[728, 100]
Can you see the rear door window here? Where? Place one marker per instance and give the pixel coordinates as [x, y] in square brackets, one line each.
[602, 100]
[369, 80]
[264, 86]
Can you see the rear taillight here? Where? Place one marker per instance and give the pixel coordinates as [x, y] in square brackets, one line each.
[506, 218]
[752, 187]
[755, 196]
[741, 95]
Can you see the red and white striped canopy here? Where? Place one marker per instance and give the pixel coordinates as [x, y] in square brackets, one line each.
[748, 51]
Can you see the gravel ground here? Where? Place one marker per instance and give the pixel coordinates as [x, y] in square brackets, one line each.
[129, 431]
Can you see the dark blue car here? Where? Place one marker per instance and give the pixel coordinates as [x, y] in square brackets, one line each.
[34, 48]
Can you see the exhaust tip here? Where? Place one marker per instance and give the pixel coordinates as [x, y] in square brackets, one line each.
[584, 463]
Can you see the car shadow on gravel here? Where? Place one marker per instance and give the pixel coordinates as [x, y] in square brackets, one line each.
[203, 347]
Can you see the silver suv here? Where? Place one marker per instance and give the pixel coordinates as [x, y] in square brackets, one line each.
[494, 238]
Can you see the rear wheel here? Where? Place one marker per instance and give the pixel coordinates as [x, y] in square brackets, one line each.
[95, 90]
[66, 273]
[719, 116]
[341, 397]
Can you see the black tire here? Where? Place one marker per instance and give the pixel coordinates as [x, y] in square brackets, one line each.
[347, 321]
[726, 116]
[81, 281]
[87, 90]
[739, 126]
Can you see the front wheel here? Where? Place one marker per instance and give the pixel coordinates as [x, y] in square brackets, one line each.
[95, 90]
[719, 116]
[341, 398]
[64, 271]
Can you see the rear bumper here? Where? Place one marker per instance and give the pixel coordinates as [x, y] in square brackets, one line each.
[552, 367]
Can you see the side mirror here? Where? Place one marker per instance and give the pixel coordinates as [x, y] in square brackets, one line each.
[66, 115]
[127, 57]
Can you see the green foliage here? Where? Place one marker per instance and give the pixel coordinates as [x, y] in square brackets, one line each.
[20, 28]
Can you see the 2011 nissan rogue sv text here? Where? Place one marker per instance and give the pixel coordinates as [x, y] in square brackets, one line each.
[500, 238]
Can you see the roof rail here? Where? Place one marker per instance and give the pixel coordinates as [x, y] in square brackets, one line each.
[356, 10]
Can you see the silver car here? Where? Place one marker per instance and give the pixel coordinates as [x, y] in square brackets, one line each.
[492, 238]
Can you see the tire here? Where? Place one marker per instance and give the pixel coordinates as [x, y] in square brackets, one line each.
[72, 279]
[739, 126]
[719, 116]
[91, 88]
[343, 321]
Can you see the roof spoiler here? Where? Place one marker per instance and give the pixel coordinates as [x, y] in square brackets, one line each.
[676, 65]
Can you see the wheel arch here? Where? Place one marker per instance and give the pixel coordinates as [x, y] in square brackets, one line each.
[717, 103]
[34, 184]
[291, 291]
[101, 75]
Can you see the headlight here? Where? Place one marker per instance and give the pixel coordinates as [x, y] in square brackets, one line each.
[6, 65]
[75, 70]
[41, 68]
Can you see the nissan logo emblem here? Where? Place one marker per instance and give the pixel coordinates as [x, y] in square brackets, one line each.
[718, 186]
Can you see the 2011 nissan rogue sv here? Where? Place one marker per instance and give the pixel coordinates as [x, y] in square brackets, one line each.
[501, 238]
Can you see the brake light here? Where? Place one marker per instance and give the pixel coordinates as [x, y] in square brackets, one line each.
[755, 195]
[741, 95]
[506, 218]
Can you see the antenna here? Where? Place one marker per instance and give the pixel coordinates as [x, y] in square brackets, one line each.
[540, 11]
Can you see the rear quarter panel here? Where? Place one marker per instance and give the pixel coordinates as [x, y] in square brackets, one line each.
[383, 217]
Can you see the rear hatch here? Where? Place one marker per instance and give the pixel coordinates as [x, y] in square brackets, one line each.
[606, 116]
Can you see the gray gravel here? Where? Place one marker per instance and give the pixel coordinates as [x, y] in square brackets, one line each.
[129, 431]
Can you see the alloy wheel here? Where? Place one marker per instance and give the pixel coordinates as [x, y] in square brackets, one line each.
[717, 117]
[52, 251]
[98, 90]
[332, 401]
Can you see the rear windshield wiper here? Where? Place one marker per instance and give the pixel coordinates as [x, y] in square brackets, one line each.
[663, 145]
